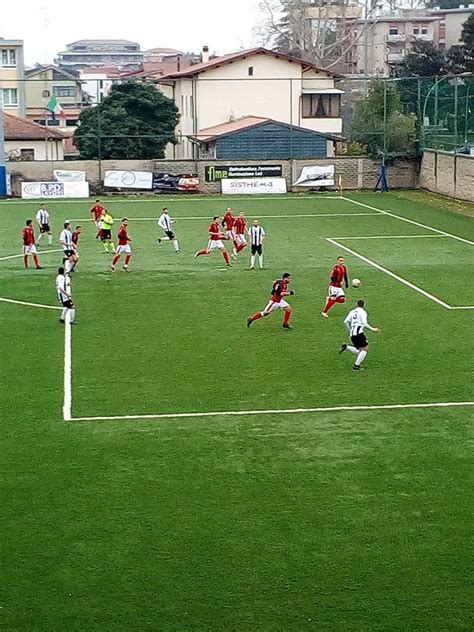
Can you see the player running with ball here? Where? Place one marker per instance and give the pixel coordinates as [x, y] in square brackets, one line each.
[277, 301]
[356, 322]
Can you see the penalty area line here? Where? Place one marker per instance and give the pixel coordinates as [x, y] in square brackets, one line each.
[40, 252]
[15, 302]
[279, 411]
[390, 273]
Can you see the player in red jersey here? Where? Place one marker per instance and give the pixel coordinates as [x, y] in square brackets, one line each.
[336, 294]
[123, 246]
[228, 221]
[96, 212]
[277, 301]
[240, 226]
[29, 244]
[73, 259]
[215, 241]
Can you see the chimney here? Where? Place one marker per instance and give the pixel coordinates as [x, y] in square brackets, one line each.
[205, 54]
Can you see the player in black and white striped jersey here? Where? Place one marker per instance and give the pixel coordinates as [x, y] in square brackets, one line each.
[356, 322]
[166, 223]
[44, 224]
[256, 235]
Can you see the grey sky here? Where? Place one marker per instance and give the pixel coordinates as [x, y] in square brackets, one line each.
[46, 26]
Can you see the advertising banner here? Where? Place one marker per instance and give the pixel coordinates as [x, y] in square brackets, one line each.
[62, 175]
[182, 182]
[253, 186]
[36, 190]
[316, 177]
[128, 179]
[215, 173]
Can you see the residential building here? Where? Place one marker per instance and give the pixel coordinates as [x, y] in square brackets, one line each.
[257, 138]
[255, 82]
[389, 38]
[101, 52]
[450, 25]
[25, 140]
[98, 81]
[44, 82]
[12, 72]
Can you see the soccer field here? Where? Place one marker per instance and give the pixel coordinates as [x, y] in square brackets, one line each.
[210, 476]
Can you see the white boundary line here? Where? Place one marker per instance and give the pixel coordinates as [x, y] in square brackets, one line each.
[67, 401]
[392, 274]
[182, 199]
[209, 217]
[409, 221]
[278, 411]
[40, 252]
[10, 300]
[395, 237]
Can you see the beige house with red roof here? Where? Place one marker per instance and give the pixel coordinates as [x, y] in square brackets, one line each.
[255, 82]
[25, 140]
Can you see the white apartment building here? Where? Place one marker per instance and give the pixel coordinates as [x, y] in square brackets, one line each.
[12, 73]
[255, 82]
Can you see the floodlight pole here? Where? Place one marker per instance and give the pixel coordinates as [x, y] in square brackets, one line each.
[3, 168]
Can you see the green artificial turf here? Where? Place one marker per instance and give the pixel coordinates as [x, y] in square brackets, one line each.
[346, 520]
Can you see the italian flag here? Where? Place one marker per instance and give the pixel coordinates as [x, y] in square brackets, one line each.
[55, 108]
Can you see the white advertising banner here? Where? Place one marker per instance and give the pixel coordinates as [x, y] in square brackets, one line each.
[253, 186]
[129, 179]
[62, 175]
[36, 190]
[316, 177]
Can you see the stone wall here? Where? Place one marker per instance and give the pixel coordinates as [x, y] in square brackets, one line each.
[448, 174]
[357, 173]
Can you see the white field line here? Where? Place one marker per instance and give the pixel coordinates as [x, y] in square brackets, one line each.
[395, 237]
[10, 300]
[390, 273]
[199, 199]
[409, 221]
[464, 307]
[67, 401]
[278, 411]
[180, 219]
[40, 252]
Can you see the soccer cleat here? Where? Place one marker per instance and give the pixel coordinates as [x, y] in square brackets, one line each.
[252, 268]
[112, 268]
[229, 265]
[287, 327]
[343, 348]
[159, 241]
[39, 268]
[178, 251]
[61, 321]
[324, 315]
[196, 255]
[233, 256]
[249, 322]
[125, 269]
[356, 367]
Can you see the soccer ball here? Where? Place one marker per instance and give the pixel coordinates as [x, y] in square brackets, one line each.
[355, 282]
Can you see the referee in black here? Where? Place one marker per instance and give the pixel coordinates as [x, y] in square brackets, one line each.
[257, 236]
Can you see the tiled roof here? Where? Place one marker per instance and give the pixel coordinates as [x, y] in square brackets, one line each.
[17, 128]
[209, 134]
[228, 59]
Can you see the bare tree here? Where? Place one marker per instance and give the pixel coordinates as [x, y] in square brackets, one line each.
[325, 32]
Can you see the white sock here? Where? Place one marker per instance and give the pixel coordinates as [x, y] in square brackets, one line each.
[352, 349]
[40, 236]
[69, 266]
[165, 238]
[361, 357]
[72, 315]
[252, 261]
[176, 245]
[234, 251]
[260, 260]
[63, 313]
